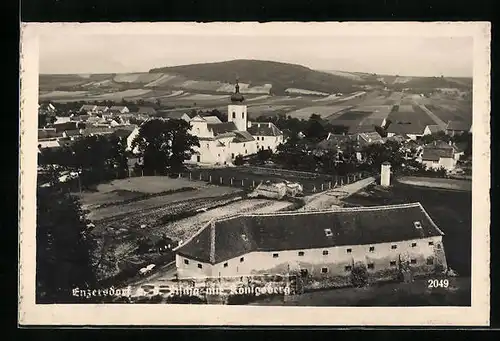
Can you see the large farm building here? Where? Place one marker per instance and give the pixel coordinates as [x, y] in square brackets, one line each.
[323, 244]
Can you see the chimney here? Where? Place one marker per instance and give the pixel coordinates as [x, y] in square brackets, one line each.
[269, 124]
[212, 242]
[450, 143]
[385, 174]
[249, 124]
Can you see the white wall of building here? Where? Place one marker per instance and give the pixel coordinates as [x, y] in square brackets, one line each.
[335, 261]
[238, 115]
[447, 163]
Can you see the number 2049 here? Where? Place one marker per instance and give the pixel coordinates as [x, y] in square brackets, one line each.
[438, 283]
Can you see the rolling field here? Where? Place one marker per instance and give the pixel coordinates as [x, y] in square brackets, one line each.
[323, 111]
[448, 112]
[416, 116]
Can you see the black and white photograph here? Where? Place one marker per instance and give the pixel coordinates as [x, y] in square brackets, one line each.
[279, 165]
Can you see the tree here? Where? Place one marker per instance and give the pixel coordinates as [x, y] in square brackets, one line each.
[238, 160]
[164, 145]
[359, 275]
[64, 246]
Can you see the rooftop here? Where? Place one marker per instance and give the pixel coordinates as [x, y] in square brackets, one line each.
[220, 128]
[458, 125]
[280, 231]
[264, 129]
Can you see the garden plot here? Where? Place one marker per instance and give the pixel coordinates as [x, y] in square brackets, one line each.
[175, 202]
[185, 228]
[406, 108]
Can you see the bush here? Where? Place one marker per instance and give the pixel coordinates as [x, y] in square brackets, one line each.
[359, 275]
[238, 160]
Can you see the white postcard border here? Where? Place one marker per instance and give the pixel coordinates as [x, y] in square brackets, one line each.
[130, 315]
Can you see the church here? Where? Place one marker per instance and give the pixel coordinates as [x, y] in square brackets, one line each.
[221, 142]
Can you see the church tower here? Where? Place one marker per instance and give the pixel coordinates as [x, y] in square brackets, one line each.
[237, 111]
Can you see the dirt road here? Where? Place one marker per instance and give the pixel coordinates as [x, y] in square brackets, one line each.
[327, 199]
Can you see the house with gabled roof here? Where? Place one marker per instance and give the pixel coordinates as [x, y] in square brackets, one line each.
[322, 244]
[457, 128]
[174, 115]
[439, 154]
[88, 109]
[118, 109]
[268, 136]
[432, 129]
[414, 130]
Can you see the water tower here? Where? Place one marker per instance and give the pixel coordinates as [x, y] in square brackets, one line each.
[385, 174]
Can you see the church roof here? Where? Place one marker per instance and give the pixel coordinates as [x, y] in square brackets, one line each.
[220, 128]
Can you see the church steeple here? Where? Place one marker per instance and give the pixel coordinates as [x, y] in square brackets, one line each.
[237, 97]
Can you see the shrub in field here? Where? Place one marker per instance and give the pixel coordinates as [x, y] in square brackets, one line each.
[359, 275]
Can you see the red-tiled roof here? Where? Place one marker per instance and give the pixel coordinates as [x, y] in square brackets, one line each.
[306, 230]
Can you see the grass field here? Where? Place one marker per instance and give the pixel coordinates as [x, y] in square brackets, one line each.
[323, 111]
[448, 112]
[416, 116]
[451, 210]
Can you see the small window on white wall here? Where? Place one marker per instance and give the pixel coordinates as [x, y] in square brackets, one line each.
[324, 270]
[200, 266]
[225, 265]
[234, 114]
[186, 261]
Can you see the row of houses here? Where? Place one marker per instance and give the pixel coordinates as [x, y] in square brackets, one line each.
[220, 142]
[435, 155]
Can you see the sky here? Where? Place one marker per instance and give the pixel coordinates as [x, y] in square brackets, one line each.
[408, 56]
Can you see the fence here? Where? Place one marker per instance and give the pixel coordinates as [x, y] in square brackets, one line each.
[248, 181]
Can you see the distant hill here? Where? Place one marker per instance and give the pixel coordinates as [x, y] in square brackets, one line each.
[258, 73]
[427, 83]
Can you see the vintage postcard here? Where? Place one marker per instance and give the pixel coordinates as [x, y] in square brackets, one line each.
[255, 174]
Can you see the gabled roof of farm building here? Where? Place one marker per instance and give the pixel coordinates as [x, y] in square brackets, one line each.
[220, 128]
[173, 115]
[436, 154]
[406, 128]
[212, 119]
[264, 129]
[88, 107]
[145, 110]
[102, 108]
[281, 231]
[79, 118]
[458, 125]
[70, 133]
[372, 137]
[243, 136]
[48, 133]
[335, 140]
[361, 129]
[70, 125]
[118, 107]
[434, 128]
[97, 131]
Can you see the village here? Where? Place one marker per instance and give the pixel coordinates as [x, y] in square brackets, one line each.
[232, 197]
